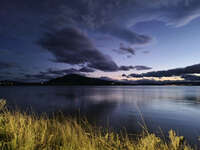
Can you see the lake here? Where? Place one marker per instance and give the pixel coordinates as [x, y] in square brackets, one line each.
[161, 107]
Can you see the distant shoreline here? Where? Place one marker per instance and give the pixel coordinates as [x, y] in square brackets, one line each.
[38, 84]
[79, 80]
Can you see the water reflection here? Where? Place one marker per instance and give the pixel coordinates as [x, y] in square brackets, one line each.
[119, 106]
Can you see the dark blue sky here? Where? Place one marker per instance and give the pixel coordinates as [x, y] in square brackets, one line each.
[49, 38]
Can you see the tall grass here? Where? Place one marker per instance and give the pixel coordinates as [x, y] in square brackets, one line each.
[22, 131]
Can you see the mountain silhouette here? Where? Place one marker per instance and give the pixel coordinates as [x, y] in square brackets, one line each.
[76, 79]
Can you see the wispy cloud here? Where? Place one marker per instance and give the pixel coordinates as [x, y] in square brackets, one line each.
[169, 73]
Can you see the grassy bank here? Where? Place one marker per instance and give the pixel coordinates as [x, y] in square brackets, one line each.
[20, 131]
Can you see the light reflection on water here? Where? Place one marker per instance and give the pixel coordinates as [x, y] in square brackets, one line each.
[166, 107]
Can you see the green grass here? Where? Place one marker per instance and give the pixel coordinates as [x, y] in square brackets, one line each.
[22, 131]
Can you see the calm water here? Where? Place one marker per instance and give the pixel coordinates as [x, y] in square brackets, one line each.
[164, 107]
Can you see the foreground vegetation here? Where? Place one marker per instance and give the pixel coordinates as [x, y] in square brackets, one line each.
[20, 131]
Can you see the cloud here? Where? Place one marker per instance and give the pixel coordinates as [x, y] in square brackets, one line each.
[126, 68]
[126, 34]
[133, 75]
[86, 70]
[53, 73]
[65, 21]
[143, 81]
[68, 71]
[113, 17]
[71, 46]
[169, 73]
[96, 14]
[139, 68]
[190, 77]
[125, 50]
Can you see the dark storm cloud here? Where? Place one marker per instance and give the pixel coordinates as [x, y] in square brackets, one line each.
[71, 46]
[169, 73]
[114, 16]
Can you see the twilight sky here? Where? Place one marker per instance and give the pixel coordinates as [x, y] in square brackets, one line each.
[119, 39]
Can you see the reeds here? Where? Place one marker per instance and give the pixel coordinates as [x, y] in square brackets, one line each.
[22, 131]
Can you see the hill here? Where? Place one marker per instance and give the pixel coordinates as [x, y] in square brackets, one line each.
[75, 79]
